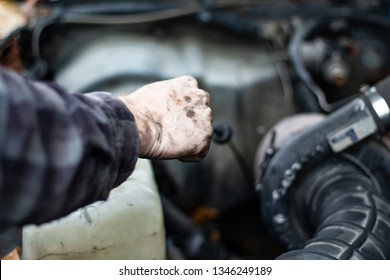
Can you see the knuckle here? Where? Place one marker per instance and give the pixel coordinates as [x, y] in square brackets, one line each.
[191, 80]
[187, 78]
[204, 93]
[210, 114]
[204, 96]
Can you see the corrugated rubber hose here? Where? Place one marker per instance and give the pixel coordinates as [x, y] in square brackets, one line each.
[352, 223]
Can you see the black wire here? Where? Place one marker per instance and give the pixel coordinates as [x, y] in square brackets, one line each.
[243, 165]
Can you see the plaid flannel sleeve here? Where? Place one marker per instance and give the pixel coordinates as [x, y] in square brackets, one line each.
[59, 151]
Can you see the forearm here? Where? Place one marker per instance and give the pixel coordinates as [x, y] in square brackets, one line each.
[59, 151]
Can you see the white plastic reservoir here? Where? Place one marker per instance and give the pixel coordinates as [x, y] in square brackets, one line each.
[129, 225]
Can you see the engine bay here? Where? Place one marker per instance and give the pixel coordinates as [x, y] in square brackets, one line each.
[262, 62]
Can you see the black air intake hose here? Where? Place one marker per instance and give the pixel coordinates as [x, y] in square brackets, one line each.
[347, 209]
[351, 217]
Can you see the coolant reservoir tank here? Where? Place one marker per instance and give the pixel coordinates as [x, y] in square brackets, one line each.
[129, 225]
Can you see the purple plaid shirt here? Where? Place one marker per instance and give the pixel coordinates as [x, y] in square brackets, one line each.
[59, 151]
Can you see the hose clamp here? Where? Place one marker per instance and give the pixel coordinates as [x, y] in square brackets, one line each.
[379, 105]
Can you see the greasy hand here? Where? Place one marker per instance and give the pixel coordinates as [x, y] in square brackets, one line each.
[173, 119]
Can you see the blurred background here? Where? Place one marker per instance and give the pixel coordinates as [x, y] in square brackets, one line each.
[261, 62]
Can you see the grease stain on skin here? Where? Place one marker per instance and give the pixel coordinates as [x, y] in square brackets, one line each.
[174, 98]
[159, 131]
[187, 99]
[190, 113]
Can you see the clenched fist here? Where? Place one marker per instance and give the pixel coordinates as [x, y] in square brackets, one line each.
[173, 119]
